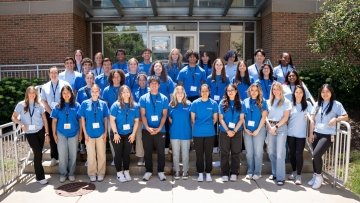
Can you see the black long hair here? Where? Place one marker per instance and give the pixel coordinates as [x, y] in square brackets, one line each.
[297, 81]
[238, 75]
[226, 99]
[303, 102]
[321, 100]
[61, 105]
[223, 73]
[164, 75]
[271, 74]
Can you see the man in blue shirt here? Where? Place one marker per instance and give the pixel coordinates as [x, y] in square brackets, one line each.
[154, 109]
[103, 79]
[122, 63]
[146, 64]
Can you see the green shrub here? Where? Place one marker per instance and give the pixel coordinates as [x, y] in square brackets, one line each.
[12, 90]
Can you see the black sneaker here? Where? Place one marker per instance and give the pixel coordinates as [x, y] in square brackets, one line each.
[185, 176]
[177, 176]
[280, 183]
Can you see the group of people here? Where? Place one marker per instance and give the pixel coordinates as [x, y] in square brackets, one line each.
[156, 105]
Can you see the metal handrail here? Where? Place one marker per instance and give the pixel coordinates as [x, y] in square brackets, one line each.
[36, 68]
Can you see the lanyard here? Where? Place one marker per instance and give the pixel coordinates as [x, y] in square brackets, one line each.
[127, 113]
[252, 106]
[192, 74]
[154, 102]
[105, 80]
[323, 110]
[115, 91]
[132, 78]
[54, 90]
[257, 69]
[87, 92]
[31, 113]
[97, 71]
[266, 85]
[286, 70]
[232, 112]
[67, 113]
[94, 107]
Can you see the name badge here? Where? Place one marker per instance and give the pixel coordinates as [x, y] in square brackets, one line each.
[193, 88]
[96, 125]
[216, 97]
[251, 123]
[321, 125]
[231, 125]
[154, 118]
[67, 126]
[53, 104]
[126, 127]
[31, 127]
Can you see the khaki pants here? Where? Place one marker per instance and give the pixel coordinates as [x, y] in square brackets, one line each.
[139, 143]
[96, 156]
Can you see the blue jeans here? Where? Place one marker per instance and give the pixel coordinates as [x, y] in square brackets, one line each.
[277, 152]
[254, 151]
[182, 146]
[67, 148]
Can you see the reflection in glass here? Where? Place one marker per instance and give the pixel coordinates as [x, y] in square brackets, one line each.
[184, 43]
[172, 26]
[110, 27]
[233, 26]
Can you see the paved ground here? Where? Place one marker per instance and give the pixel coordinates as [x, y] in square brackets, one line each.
[180, 191]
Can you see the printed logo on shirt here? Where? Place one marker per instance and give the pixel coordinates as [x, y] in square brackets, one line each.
[209, 108]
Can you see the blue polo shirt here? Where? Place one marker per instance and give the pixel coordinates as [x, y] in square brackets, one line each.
[173, 72]
[265, 87]
[297, 124]
[94, 112]
[154, 106]
[69, 77]
[120, 66]
[280, 72]
[32, 116]
[167, 87]
[192, 78]
[204, 111]
[79, 82]
[180, 128]
[83, 94]
[231, 115]
[124, 117]
[102, 81]
[217, 87]
[144, 67]
[130, 81]
[110, 94]
[208, 69]
[243, 87]
[140, 92]
[252, 112]
[321, 125]
[66, 115]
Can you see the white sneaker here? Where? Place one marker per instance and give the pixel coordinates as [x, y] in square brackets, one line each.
[42, 182]
[311, 182]
[121, 177]
[127, 175]
[292, 176]
[256, 177]
[100, 178]
[208, 177]
[53, 162]
[248, 176]
[147, 176]
[233, 178]
[201, 177]
[225, 178]
[162, 176]
[72, 178]
[141, 161]
[62, 179]
[298, 180]
[318, 181]
[92, 178]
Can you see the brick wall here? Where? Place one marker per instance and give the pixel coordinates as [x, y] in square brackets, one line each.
[288, 32]
[43, 38]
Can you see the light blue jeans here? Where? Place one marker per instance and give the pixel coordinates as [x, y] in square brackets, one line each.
[254, 151]
[67, 148]
[182, 146]
[277, 152]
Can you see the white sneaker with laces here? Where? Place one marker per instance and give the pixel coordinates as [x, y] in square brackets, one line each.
[62, 179]
[147, 176]
[53, 162]
[233, 178]
[92, 178]
[201, 177]
[208, 177]
[225, 178]
[248, 176]
[298, 180]
[256, 177]
[42, 182]
[127, 175]
[311, 182]
[120, 176]
[292, 176]
[162, 176]
[318, 181]
[100, 178]
[72, 178]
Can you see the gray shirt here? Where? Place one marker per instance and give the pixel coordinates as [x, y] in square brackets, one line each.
[35, 120]
[298, 120]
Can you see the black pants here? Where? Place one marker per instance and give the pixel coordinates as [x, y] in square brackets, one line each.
[230, 148]
[53, 146]
[321, 143]
[122, 153]
[149, 142]
[167, 133]
[296, 150]
[216, 139]
[36, 142]
[203, 145]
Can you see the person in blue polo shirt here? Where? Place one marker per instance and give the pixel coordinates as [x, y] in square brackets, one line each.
[130, 77]
[153, 109]
[218, 80]
[192, 76]
[242, 79]
[121, 64]
[102, 79]
[145, 65]
[230, 133]
[142, 86]
[203, 117]
[84, 93]
[29, 114]
[326, 113]
[174, 64]
[94, 121]
[66, 132]
[180, 131]
[255, 111]
[265, 80]
[80, 81]
[124, 119]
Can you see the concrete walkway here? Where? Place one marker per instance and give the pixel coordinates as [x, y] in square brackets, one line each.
[179, 191]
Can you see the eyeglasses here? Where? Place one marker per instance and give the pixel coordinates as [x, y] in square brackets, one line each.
[228, 91]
